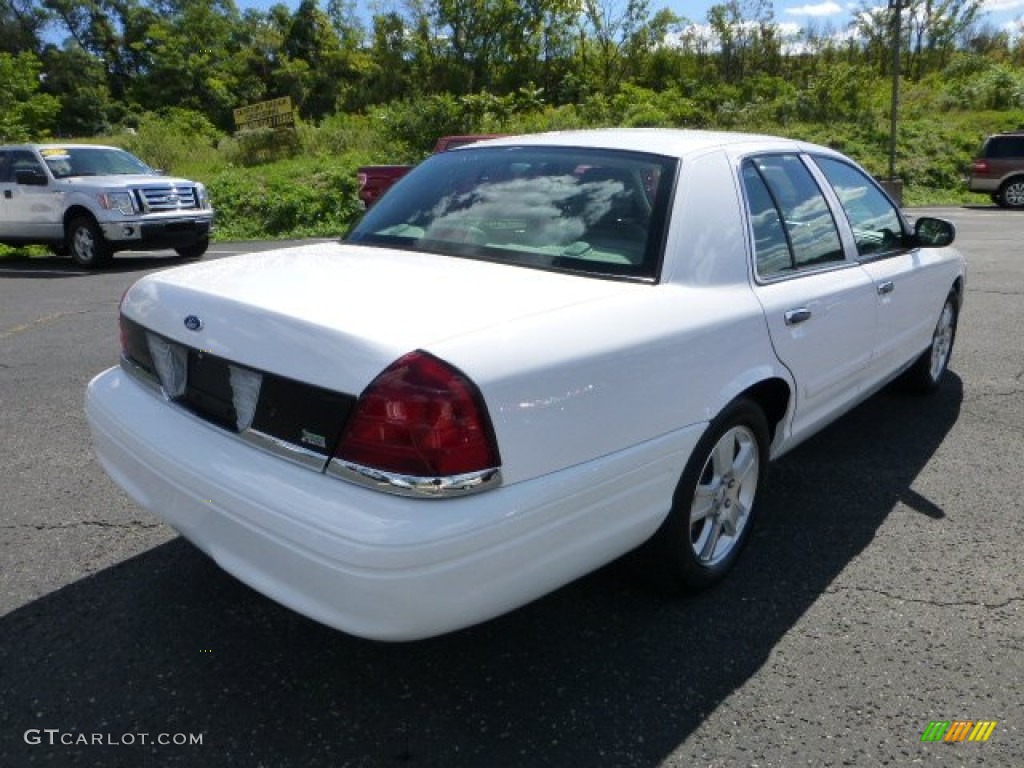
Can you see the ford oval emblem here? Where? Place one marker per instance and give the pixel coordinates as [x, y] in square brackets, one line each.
[193, 323]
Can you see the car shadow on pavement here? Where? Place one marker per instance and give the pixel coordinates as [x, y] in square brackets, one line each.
[599, 673]
[57, 266]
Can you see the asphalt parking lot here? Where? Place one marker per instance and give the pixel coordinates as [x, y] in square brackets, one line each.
[882, 591]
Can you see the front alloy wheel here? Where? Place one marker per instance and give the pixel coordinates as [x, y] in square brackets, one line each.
[86, 243]
[927, 372]
[713, 507]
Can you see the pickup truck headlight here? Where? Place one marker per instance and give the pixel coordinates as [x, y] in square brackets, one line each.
[118, 201]
[202, 197]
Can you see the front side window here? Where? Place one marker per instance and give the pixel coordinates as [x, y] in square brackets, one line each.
[23, 160]
[793, 226]
[560, 208]
[876, 225]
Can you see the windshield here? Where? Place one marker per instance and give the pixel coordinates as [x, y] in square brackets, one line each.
[92, 161]
[561, 208]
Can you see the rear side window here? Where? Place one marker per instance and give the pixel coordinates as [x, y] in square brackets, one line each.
[1004, 146]
[793, 226]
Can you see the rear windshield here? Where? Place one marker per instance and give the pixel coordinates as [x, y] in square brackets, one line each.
[1004, 146]
[596, 212]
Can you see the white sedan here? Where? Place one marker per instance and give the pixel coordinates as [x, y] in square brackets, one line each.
[532, 356]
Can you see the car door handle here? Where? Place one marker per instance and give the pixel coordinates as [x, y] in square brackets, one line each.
[7, 194]
[887, 287]
[796, 316]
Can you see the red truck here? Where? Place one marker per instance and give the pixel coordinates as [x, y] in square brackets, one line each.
[375, 180]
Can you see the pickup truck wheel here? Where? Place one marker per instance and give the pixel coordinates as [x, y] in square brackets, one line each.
[713, 505]
[194, 251]
[926, 374]
[86, 243]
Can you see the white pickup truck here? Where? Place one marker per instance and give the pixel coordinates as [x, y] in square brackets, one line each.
[88, 201]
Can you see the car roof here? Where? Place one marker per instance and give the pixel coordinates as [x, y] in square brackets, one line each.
[664, 141]
[55, 145]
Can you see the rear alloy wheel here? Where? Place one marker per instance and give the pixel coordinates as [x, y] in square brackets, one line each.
[713, 506]
[926, 374]
[86, 243]
[194, 251]
[1011, 194]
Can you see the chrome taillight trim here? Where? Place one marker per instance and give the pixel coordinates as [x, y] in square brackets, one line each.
[413, 486]
[283, 449]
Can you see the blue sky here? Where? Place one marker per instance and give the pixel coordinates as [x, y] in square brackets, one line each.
[790, 14]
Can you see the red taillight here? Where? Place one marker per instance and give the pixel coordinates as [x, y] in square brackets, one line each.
[121, 323]
[420, 417]
[979, 166]
[361, 180]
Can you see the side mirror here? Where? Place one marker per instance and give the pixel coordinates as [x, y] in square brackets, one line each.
[930, 232]
[31, 178]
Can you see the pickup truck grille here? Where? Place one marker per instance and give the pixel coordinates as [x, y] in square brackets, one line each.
[167, 197]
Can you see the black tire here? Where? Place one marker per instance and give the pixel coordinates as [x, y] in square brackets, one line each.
[194, 251]
[996, 199]
[714, 504]
[59, 249]
[86, 243]
[1011, 194]
[927, 372]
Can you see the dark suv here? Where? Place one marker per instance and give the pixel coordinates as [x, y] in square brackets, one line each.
[999, 169]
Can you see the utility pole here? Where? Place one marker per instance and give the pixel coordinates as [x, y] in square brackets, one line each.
[895, 8]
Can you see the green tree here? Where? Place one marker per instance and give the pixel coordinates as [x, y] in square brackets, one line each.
[191, 58]
[391, 52]
[333, 65]
[25, 113]
[747, 37]
[934, 28]
[617, 29]
[79, 83]
[499, 45]
[21, 26]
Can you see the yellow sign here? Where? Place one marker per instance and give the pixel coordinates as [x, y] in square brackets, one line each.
[276, 113]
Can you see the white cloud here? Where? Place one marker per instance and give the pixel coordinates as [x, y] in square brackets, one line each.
[999, 6]
[829, 8]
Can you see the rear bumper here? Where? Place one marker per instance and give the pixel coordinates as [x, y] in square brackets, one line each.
[371, 564]
[981, 184]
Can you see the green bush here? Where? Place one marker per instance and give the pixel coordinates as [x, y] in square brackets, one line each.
[177, 141]
[296, 198]
[259, 146]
